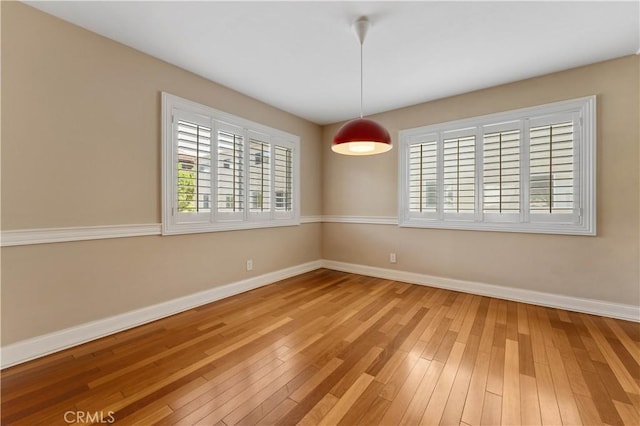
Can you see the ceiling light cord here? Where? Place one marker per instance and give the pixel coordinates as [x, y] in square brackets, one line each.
[361, 77]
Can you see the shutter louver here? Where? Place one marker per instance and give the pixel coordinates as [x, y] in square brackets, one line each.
[551, 157]
[193, 168]
[230, 172]
[282, 176]
[423, 177]
[459, 174]
[501, 172]
[260, 176]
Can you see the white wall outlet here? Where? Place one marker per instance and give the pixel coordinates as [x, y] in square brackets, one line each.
[392, 258]
[249, 264]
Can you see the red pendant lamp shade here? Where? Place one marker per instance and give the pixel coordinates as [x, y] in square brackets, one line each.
[361, 137]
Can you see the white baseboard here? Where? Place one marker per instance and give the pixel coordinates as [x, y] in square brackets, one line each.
[36, 347]
[589, 306]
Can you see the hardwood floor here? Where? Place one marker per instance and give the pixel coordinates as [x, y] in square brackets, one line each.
[340, 349]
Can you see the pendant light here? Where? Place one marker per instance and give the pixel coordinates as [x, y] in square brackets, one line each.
[361, 136]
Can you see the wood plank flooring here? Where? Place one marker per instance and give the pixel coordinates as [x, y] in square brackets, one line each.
[333, 348]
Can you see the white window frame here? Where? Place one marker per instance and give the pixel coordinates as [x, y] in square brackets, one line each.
[583, 219]
[174, 223]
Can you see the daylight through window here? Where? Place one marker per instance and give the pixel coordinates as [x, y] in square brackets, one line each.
[529, 170]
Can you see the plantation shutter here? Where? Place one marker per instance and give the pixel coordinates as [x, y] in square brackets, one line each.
[221, 172]
[552, 167]
[527, 170]
[501, 187]
[283, 180]
[192, 162]
[459, 173]
[423, 176]
[230, 171]
[259, 173]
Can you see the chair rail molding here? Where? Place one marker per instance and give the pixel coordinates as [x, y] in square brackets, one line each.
[24, 237]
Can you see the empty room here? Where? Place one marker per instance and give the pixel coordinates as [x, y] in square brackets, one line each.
[320, 213]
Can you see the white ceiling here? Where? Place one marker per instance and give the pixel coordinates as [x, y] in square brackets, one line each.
[303, 57]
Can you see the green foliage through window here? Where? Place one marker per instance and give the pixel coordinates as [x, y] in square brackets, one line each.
[186, 190]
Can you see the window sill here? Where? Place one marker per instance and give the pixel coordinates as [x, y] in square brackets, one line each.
[529, 228]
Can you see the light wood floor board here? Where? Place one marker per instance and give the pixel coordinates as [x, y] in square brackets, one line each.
[331, 348]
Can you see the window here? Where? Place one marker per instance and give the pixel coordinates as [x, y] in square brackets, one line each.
[260, 174]
[218, 172]
[422, 193]
[459, 174]
[193, 166]
[529, 170]
[283, 179]
[501, 171]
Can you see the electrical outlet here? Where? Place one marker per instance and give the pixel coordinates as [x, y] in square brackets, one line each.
[249, 264]
[392, 258]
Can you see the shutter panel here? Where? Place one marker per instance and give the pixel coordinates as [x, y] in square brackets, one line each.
[259, 175]
[230, 170]
[459, 174]
[423, 177]
[551, 170]
[501, 172]
[193, 167]
[283, 178]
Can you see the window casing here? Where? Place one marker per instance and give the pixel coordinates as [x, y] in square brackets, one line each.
[222, 172]
[528, 170]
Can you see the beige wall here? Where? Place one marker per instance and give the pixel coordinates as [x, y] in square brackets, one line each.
[83, 114]
[605, 267]
[49, 287]
[81, 147]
